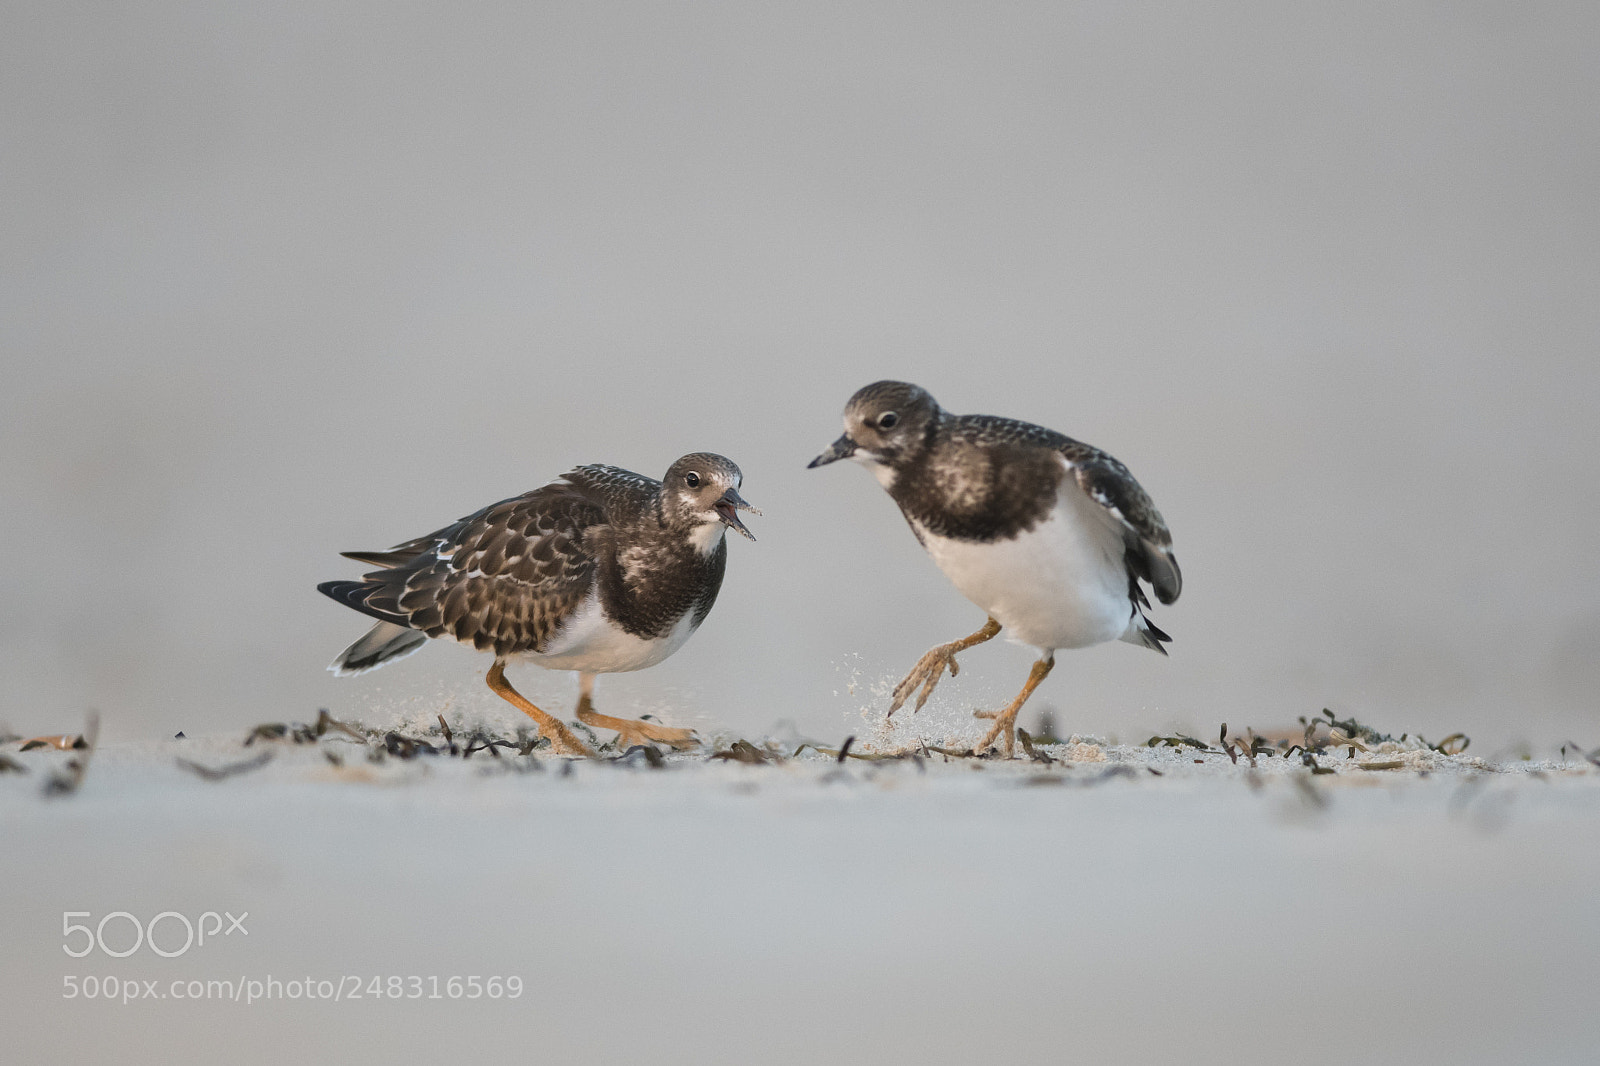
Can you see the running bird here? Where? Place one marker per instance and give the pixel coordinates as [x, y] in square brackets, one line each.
[1050, 536]
[600, 571]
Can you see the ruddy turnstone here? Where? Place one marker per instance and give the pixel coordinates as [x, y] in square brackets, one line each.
[1049, 535]
[600, 571]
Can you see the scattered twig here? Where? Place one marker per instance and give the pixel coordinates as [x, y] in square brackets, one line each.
[267, 731]
[1351, 728]
[1309, 758]
[405, 747]
[478, 742]
[841, 753]
[746, 752]
[649, 752]
[590, 735]
[326, 721]
[1258, 746]
[449, 738]
[1032, 752]
[1338, 738]
[1178, 741]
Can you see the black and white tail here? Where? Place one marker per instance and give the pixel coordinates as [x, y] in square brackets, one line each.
[1141, 630]
[382, 643]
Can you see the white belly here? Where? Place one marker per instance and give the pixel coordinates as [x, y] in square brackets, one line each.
[1062, 584]
[591, 644]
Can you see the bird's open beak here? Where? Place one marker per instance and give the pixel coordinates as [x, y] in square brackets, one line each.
[727, 506]
[843, 448]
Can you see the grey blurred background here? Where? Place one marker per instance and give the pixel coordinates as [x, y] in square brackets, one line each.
[278, 281]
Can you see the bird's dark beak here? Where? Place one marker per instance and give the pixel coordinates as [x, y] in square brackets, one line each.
[843, 448]
[727, 506]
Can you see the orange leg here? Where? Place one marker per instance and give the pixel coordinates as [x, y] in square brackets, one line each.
[931, 666]
[631, 732]
[1006, 720]
[562, 740]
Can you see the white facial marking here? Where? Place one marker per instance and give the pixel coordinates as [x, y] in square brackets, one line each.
[885, 474]
[707, 535]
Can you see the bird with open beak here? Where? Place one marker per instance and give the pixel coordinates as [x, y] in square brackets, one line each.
[600, 571]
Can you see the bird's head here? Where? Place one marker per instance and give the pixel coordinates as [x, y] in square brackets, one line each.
[885, 425]
[701, 490]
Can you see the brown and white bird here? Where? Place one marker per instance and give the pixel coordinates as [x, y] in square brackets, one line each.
[600, 571]
[1049, 535]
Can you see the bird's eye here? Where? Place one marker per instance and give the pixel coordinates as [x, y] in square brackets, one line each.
[692, 478]
[888, 420]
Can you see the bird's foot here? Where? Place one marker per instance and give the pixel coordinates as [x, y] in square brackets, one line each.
[1005, 722]
[632, 732]
[563, 741]
[640, 732]
[1005, 719]
[929, 669]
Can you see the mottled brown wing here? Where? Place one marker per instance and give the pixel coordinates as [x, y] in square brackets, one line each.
[1108, 483]
[502, 579]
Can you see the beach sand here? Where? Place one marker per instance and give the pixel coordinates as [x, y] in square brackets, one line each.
[1116, 902]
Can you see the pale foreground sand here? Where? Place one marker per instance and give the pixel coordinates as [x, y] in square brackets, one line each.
[711, 911]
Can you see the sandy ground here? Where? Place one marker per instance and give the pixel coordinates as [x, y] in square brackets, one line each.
[1120, 902]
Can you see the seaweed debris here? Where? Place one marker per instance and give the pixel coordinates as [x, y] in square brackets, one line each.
[746, 752]
[1178, 741]
[648, 752]
[1032, 752]
[402, 747]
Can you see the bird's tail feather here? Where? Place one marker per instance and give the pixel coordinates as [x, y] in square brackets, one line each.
[382, 643]
[1144, 632]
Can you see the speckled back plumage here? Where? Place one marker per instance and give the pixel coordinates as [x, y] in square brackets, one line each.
[505, 578]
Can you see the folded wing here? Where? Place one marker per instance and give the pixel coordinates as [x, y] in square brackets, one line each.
[502, 579]
[1149, 543]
